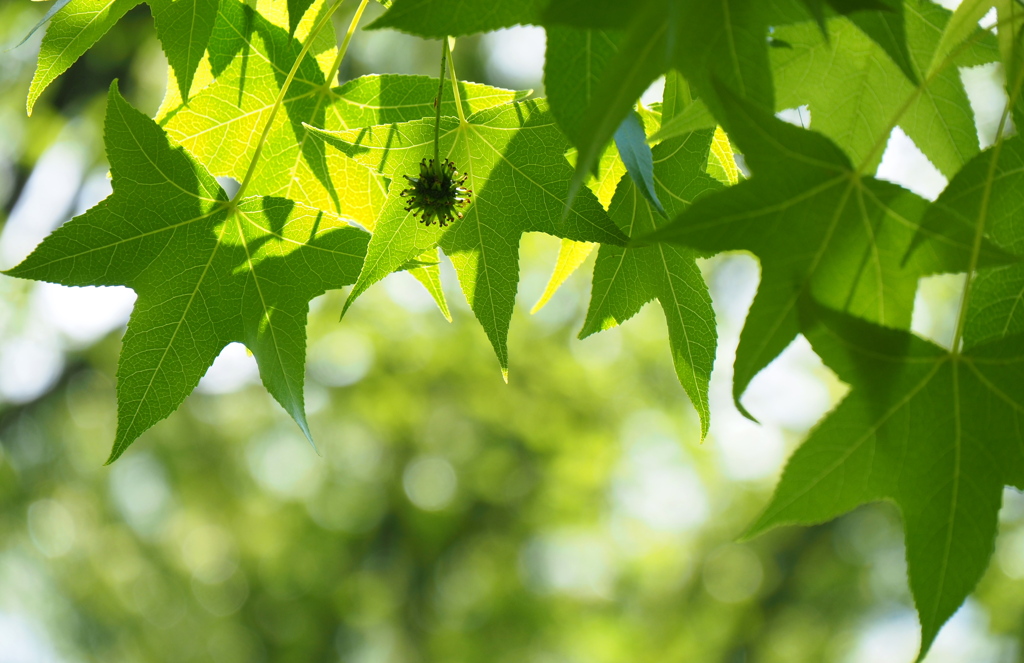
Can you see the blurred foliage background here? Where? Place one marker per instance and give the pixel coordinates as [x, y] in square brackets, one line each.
[572, 515]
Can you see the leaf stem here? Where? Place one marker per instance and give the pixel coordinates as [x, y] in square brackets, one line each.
[950, 59]
[979, 230]
[437, 108]
[332, 76]
[313, 34]
[455, 81]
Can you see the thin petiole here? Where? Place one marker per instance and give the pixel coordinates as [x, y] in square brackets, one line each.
[455, 80]
[979, 231]
[437, 104]
[332, 76]
[926, 82]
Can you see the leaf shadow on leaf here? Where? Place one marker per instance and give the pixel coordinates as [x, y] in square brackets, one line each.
[245, 34]
[230, 40]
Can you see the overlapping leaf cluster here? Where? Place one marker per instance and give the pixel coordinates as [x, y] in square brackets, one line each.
[252, 94]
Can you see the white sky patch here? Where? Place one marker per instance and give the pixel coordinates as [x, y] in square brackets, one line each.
[788, 393]
[893, 637]
[24, 641]
[283, 463]
[83, 315]
[987, 94]
[30, 364]
[936, 306]
[577, 563]
[44, 204]
[745, 450]
[654, 92]
[656, 484]
[799, 116]
[407, 292]
[95, 188]
[515, 56]
[430, 482]
[141, 492]
[232, 370]
[904, 164]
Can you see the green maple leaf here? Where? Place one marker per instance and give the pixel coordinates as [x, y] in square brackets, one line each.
[856, 94]
[235, 109]
[625, 279]
[206, 271]
[73, 30]
[514, 156]
[817, 225]
[937, 433]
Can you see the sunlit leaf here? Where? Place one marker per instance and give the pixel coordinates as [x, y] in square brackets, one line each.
[206, 272]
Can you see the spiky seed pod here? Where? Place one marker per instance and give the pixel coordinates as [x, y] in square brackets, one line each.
[438, 193]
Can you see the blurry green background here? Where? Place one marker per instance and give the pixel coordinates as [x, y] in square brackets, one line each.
[572, 515]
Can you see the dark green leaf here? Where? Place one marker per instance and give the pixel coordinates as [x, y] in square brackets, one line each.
[817, 226]
[625, 279]
[937, 433]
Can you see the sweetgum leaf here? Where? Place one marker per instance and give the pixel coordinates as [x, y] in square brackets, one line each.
[856, 94]
[817, 226]
[515, 158]
[938, 434]
[234, 110]
[206, 272]
[625, 279]
[73, 29]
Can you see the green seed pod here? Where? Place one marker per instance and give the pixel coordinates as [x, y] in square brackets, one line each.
[437, 193]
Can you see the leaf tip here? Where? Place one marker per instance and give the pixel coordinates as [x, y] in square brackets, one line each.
[763, 524]
[120, 445]
[743, 410]
[348, 304]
